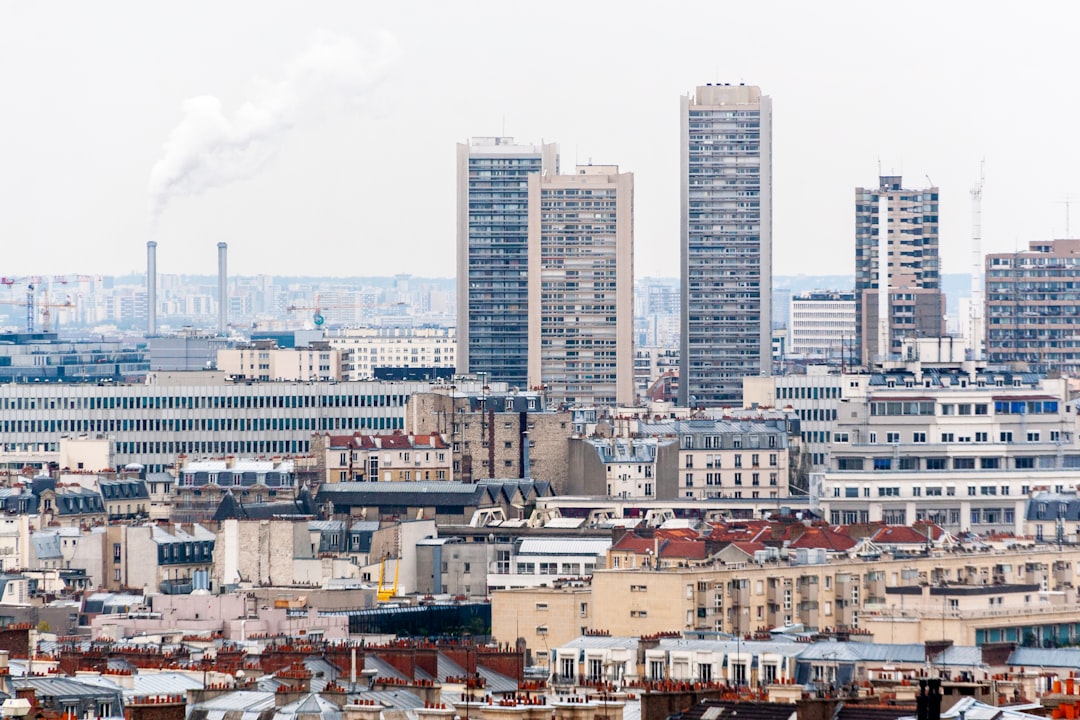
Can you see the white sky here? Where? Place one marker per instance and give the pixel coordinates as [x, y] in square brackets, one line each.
[94, 89]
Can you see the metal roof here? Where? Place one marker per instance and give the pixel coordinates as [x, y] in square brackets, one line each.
[564, 546]
[1045, 657]
[602, 641]
[161, 683]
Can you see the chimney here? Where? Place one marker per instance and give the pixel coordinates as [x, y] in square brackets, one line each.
[151, 288]
[223, 289]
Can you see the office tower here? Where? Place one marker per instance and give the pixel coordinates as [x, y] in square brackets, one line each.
[822, 326]
[581, 286]
[493, 254]
[1031, 307]
[914, 305]
[726, 234]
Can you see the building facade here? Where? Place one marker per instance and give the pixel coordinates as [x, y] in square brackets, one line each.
[493, 254]
[581, 285]
[904, 258]
[152, 424]
[822, 326]
[1032, 307]
[264, 361]
[726, 236]
[366, 350]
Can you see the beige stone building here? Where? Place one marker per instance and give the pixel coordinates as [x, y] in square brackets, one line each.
[496, 435]
[969, 597]
[382, 458]
[581, 285]
[264, 361]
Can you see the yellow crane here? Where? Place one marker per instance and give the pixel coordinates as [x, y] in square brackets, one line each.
[385, 593]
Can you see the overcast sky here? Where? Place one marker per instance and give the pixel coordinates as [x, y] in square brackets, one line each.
[364, 184]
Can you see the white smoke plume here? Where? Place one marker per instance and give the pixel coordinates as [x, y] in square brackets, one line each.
[210, 148]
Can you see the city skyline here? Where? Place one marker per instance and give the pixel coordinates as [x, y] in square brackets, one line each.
[863, 88]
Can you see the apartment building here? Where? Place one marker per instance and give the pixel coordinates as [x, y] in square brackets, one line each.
[265, 362]
[581, 286]
[971, 598]
[814, 396]
[726, 241]
[158, 558]
[366, 352]
[729, 457]
[382, 458]
[643, 468]
[1032, 307]
[152, 424]
[496, 434]
[896, 249]
[493, 254]
[961, 448]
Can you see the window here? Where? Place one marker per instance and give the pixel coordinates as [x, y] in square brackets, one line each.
[1033, 436]
[918, 437]
[893, 438]
[1006, 437]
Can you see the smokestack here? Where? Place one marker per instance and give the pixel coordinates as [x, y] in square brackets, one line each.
[222, 289]
[151, 288]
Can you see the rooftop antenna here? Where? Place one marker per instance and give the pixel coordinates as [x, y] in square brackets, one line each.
[975, 311]
[1067, 202]
[930, 182]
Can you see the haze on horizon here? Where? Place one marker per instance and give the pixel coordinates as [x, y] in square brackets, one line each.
[359, 179]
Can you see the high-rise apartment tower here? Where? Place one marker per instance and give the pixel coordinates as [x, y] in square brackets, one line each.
[726, 233]
[493, 254]
[903, 259]
[581, 286]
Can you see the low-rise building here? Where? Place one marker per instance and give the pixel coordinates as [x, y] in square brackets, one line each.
[264, 361]
[367, 352]
[382, 458]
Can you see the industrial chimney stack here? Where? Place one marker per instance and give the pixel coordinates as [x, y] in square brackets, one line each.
[151, 288]
[223, 282]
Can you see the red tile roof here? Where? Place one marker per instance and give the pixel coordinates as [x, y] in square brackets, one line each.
[822, 537]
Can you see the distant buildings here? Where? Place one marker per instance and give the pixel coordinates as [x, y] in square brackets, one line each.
[493, 254]
[1032, 307]
[581, 285]
[914, 306]
[726, 231]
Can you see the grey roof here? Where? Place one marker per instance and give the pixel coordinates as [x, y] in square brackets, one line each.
[60, 688]
[161, 683]
[641, 450]
[602, 641]
[382, 669]
[854, 652]
[1045, 657]
[962, 655]
[238, 705]
[309, 707]
[497, 683]
[46, 545]
[131, 488]
[393, 699]
[564, 546]
[326, 525]
[1052, 505]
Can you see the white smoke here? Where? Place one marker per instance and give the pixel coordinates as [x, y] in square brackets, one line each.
[210, 149]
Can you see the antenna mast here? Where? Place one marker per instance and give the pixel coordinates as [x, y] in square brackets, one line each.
[976, 330]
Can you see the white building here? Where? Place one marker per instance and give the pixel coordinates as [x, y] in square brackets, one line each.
[152, 424]
[264, 361]
[822, 326]
[365, 349]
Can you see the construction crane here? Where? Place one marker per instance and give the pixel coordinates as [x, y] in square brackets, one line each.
[386, 593]
[45, 307]
[32, 283]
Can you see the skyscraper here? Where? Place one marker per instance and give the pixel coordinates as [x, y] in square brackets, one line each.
[581, 285]
[726, 233]
[914, 307]
[493, 254]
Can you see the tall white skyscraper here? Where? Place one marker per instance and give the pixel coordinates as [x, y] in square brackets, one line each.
[726, 234]
[581, 285]
[493, 254]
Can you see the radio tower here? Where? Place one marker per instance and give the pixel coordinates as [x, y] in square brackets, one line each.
[977, 330]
